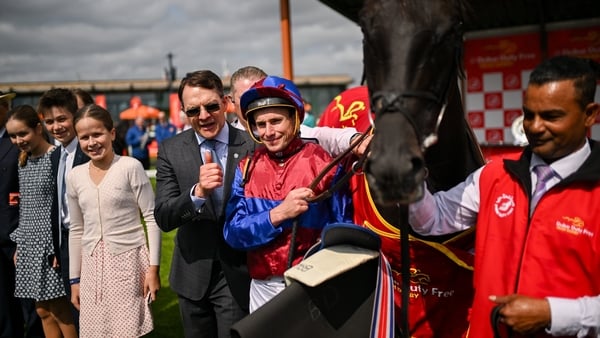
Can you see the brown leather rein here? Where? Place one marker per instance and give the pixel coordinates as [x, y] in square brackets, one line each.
[356, 166]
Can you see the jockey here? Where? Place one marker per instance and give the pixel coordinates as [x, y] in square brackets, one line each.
[270, 213]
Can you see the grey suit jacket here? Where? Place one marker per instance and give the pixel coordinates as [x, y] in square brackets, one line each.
[199, 239]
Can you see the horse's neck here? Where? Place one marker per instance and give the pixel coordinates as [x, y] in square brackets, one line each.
[395, 216]
[392, 214]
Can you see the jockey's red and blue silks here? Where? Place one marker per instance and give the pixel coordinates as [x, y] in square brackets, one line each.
[269, 179]
[555, 252]
[441, 287]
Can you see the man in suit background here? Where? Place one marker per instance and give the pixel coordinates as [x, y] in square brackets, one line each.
[58, 107]
[15, 315]
[210, 279]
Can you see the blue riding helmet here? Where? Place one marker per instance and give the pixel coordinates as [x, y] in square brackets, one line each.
[272, 91]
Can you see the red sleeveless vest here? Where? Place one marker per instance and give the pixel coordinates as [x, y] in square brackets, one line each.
[555, 253]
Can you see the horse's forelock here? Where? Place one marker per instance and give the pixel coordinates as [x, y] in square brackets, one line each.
[418, 42]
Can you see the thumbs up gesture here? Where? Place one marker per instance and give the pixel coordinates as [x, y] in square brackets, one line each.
[209, 178]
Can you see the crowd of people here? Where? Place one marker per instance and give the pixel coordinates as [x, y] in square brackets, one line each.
[81, 225]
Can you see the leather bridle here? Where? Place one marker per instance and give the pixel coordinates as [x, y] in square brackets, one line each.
[386, 102]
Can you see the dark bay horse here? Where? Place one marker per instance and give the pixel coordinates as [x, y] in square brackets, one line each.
[412, 59]
[412, 62]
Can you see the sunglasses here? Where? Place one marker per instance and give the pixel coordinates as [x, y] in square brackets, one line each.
[210, 108]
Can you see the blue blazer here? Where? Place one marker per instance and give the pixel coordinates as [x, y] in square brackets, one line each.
[79, 158]
[9, 183]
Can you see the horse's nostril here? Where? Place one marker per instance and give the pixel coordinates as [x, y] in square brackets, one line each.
[417, 164]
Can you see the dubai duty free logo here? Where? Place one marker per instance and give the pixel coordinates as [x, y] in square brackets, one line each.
[504, 205]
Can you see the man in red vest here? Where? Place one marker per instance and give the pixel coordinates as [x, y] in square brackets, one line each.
[537, 249]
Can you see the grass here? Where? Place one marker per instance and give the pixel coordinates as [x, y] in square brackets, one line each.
[165, 310]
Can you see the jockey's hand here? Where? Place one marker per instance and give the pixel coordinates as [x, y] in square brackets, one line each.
[523, 314]
[294, 204]
[360, 149]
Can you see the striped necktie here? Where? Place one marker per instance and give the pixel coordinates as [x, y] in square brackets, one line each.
[544, 173]
[217, 195]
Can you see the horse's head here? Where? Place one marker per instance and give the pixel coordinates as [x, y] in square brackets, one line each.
[411, 50]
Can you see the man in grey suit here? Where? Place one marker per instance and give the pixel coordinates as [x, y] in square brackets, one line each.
[194, 175]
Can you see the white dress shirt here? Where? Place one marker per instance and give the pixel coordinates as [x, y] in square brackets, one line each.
[71, 148]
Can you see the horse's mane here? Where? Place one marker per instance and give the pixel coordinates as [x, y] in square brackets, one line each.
[464, 9]
[465, 13]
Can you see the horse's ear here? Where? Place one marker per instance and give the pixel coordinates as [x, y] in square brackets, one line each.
[363, 78]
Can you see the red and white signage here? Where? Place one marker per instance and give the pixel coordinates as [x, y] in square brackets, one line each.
[498, 70]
